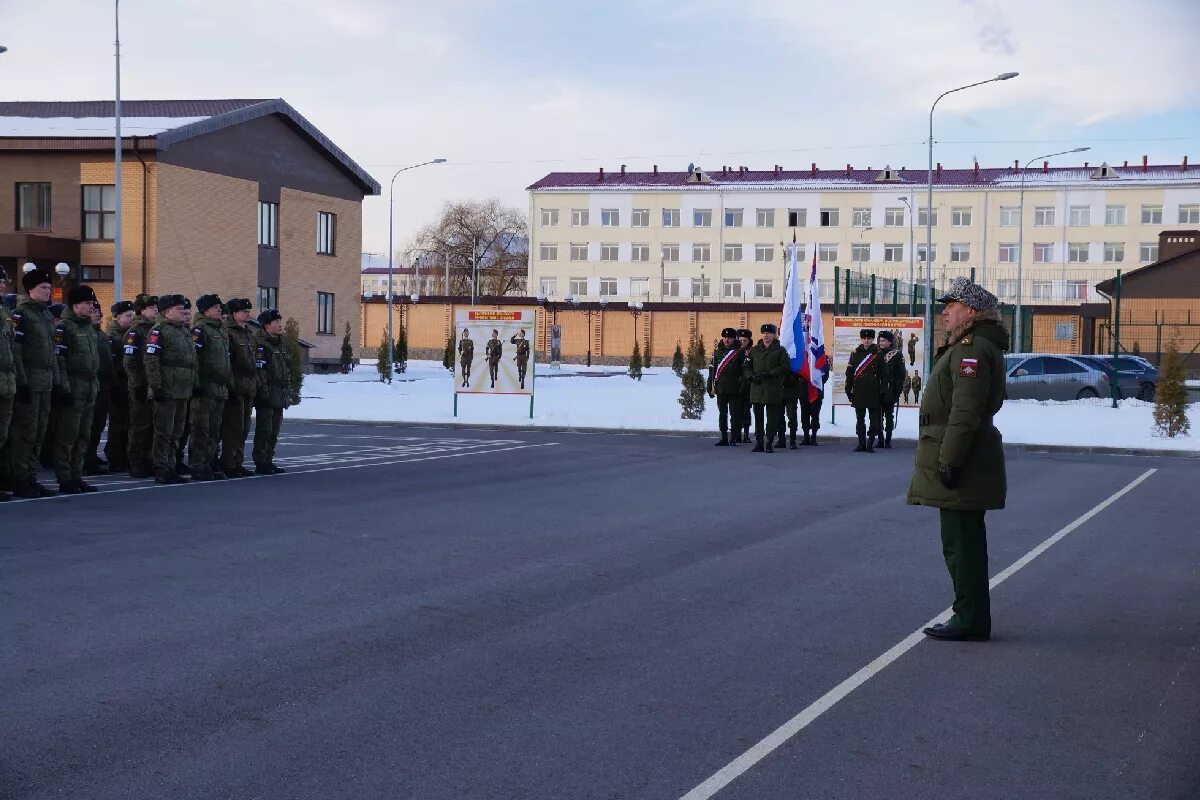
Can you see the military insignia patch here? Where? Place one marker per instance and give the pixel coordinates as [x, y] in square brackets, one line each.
[260, 357]
[152, 344]
[198, 337]
[130, 342]
[968, 368]
[60, 343]
[18, 331]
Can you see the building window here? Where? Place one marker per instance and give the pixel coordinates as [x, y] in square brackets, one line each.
[578, 286]
[1043, 290]
[548, 287]
[860, 253]
[326, 233]
[1043, 253]
[960, 217]
[764, 253]
[765, 218]
[1148, 252]
[1080, 215]
[825, 288]
[579, 218]
[1010, 216]
[99, 213]
[268, 297]
[800, 252]
[827, 253]
[733, 218]
[640, 218]
[549, 217]
[268, 225]
[1076, 290]
[670, 217]
[669, 252]
[860, 218]
[608, 287]
[701, 252]
[639, 287]
[1152, 215]
[33, 206]
[324, 312]
[1077, 252]
[94, 274]
[670, 287]
[1043, 215]
[548, 252]
[1065, 331]
[610, 218]
[731, 287]
[1189, 215]
[1114, 215]
[829, 217]
[639, 252]
[1008, 254]
[702, 218]
[921, 252]
[700, 287]
[1114, 252]
[764, 289]
[1006, 288]
[608, 252]
[960, 252]
[797, 217]
[733, 252]
[893, 217]
[579, 251]
[893, 252]
[923, 214]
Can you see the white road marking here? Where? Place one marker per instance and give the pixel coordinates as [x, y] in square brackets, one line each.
[787, 730]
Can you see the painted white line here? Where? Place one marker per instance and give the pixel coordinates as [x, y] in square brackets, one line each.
[787, 730]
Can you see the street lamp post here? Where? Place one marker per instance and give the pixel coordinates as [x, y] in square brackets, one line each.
[391, 250]
[912, 253]
[1003, 76]
[118, 259]
[1021, 238]
[860, 267]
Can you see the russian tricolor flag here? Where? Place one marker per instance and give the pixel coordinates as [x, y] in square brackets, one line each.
[803, 334]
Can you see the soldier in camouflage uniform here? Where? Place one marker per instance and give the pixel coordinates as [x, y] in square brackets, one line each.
[93, 464]
[141, 408]
[12, 376]
[916, 385]
[862, 388]
[906, 387]
[46, 452]
[793, 385]
[892, 375]
[493, 351]
[235, 424]
[78, 351]
[170, 362]
[274, 391]
[725, 384]
[522, 356]
[116, 449]
[741, 430]
[466, 354]
[215, 382]
[33, 335]
[768, 363]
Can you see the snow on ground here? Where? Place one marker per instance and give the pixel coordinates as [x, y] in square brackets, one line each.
[605, 397]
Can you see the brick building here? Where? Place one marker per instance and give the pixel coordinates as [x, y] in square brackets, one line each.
[241, 197]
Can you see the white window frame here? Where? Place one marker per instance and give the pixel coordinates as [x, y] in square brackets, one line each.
[1043, 253]
[960, 216]
[1007, 253]
[548, 252]
[1152, 215]
[764, 289]
[1006, 288]
[1042, 290]
[608, 287]
[549, 217]
[701, 217]
[670, 287]
[1114, 215]
[1010, 216]
[639, 218]
[1043, 216]
[731, 287]
[921, 252]
[639, 252]
[701, 286]
[668, 253]
[893, 252]
[827, 253]
[764, 218]
[610, 218]
[860, 218]
[1071, 289]
[326, 233]
[580, 217]
[1077, 252]
[639, 287]
[579, 251]
[731, 253]
[701, 252]
[893, 217]
[1114, 252]
[548, 286]
[1079, 216]
[1189, 214]
[960, 252]
[801, 217]
[610, 251]
[268, 224]
[1147, 252]
[922, 216]
[860, 252]
[764, 253]
[733, 218]
[578, 287]
[830, 217]
[670, 217]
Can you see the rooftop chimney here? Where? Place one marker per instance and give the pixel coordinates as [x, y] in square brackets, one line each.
[1016, 166]
[602, 173]
[848, 169]
[1085, 165]
[656, 169]
[1185, 163]
[939, 169]
[814, 168]
[1145, 163]
[1045, 166]
[622, 169]
[1127, 162]
[976, 169]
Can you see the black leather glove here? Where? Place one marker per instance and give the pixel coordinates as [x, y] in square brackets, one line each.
[63, 398]
[141, 393]
[948, 475]
[24, 395]
[850, 395]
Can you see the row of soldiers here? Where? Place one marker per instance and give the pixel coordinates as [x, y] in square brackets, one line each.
[156, 376]
[875, 380]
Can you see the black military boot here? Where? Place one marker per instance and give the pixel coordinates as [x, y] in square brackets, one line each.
[770, 444]
[862, 443]
[758, 444]
[724, 441]
[86, 487]
[782, 442]
[168, 477]
[70, 487]
[277, 470]
[887, 440]
[813, 442]
[792, 442]
[870, 444]
[182, 468]
[806, 441]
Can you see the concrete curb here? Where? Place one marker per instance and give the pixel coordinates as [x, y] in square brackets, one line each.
[840, 438]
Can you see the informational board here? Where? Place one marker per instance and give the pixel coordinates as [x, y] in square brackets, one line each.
[494, 352]
[910, 341]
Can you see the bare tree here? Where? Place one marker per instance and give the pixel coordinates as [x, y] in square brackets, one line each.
[500, 238]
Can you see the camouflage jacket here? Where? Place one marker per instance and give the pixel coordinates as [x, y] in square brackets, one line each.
[274, 376]
[116, 346]
[33, 334]
[522, 356]
[77, 348]
[241, 358]
[212, 357]
[134, 349]
[170, 361]
[12, 372]
[493, 351]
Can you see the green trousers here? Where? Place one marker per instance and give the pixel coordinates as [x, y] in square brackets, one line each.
[6, 410]
[964, 545]
[141, 433]
[116, 449]
[207, 413]
[729, 413]
[100, 410]
[72, 433]
[774, 414]
[235, 427]
[27, 429]
[170, 421]
[266, 434]
[790, 407]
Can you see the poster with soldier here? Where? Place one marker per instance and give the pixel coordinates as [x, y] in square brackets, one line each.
[908, 334]
[494, 352]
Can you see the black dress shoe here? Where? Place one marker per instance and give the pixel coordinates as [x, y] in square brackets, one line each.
[954, 633]
[86, 487]
[168, 478]
[44, 491]
[95, 469]
[70, 487]
[277, 470]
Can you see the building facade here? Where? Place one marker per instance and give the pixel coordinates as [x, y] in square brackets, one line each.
[244, 198]
[723, 236]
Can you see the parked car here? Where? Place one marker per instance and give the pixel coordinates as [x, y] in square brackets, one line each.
[1138, 376]
[1046, 376]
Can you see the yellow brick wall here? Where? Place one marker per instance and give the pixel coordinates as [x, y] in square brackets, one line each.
[134, 222]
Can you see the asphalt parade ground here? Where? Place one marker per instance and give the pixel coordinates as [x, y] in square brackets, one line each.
[430, 613]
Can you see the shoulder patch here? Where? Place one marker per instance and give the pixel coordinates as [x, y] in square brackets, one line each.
[968, 368]
[260, 357]
[153, 341]
[18, 329]
[198, 337]
[60, 339]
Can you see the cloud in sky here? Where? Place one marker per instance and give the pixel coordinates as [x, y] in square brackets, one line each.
[511, 90]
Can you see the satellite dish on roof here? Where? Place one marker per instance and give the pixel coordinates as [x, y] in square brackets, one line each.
[691, 168]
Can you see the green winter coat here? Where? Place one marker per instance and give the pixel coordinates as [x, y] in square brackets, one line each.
[863, 390]
[116, 347]
[33, 333]
[731, 377]
[765, 372]
[135, 351]
[892, 375]
[274, 377]
[241, 358]
[78, 349]
[12, 372]
[212, 358]
[791, 385]
[170, 361]
[107, 372]
[964, 391]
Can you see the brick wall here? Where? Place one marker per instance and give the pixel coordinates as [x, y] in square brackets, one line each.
[61, 171]
[134, 180]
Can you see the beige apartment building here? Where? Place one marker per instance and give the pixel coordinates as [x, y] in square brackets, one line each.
[722, 236]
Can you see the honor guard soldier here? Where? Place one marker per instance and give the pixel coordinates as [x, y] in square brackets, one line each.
[912, 349]
[466, 354]
[960, 454]
[235, 423]
[493, 351]
[725, 384]
[93, 464]
[810, 410]
[12, 379]
[906, 387]
[214, 381]
[746, 340]
[522, 356]
[916, 386]
[170, 361]
[38, 377]
[78, 351]
[274, 391]
[892, 376]
[792, 386]
[141, 407]
[46, 452]
[116, 449]
[768, 362]
[862, 389]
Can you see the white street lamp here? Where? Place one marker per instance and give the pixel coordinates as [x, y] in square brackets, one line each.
[391, 249]
[912, 253]
[117, 180]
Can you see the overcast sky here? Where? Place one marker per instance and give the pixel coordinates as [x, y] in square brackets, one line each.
[508, 91]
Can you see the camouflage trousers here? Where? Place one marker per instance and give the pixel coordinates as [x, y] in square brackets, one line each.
[141, 433]
[810, 413]
[235, 427]
[729, 413]
[170, 421]
[789, 412]
[207, 413]
[116, 449]
[266, 434]
[774, 415]
[6, 411]
[27, 429]
[72, 430]
[100, 410]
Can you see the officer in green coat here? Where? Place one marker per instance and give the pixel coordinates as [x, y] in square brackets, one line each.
[140, 454]
[116, 449]
[215, 377]
[892, 375]
[235, 424]
[170, 362]
[11, 376]
[768, 364]
[742, 429]
[725, 384]
[274, 391]
[78, 351]
[93, 464]
[33, 335]
[862, 388]
[960, 454]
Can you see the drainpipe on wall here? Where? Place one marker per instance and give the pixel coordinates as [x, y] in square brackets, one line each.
[145, 216]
